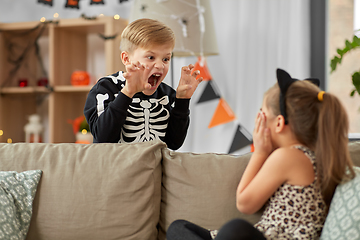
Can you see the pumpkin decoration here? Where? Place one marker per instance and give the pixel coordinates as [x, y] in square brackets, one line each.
[81, 130]
[80, 78]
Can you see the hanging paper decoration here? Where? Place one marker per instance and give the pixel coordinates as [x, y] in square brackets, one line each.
[241, 139]
[47, 2]
[209, 93]
[108, 37]
[223, 114]
[202, 67]
[97, 2]
[88, 18]
[72, 4]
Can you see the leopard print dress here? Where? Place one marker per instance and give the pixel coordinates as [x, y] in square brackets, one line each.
[294, 212]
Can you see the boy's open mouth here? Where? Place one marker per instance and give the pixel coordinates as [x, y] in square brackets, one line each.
[153, 79]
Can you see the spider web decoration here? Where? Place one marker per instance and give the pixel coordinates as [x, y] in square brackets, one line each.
[97, 2]
[46, 2]
[191, 21]
[19, 51]
[72, 4]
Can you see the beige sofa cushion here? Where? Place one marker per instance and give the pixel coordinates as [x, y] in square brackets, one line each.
[354, 149]
[201, 188]
[96, 191]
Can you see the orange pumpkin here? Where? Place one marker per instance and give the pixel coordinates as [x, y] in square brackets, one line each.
[80, 78]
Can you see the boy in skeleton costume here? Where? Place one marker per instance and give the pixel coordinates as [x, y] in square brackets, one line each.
[135, 106]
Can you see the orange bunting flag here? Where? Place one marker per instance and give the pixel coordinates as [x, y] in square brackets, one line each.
[223, 114]
[202, 67]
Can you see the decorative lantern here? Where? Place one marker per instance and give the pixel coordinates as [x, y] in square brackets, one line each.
[33, 129]
[23, 82]
[80, 78]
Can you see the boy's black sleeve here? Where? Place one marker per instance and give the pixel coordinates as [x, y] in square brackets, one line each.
[105, 111]
[178, 124]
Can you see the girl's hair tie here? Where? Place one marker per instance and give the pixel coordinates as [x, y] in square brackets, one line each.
[320, 96]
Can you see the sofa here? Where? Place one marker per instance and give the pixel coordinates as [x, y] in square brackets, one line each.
[127, 191]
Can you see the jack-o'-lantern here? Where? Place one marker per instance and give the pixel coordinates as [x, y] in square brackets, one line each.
[80, 78]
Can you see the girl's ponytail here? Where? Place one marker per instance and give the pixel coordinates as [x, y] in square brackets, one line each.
[333, 158]
[320, 122]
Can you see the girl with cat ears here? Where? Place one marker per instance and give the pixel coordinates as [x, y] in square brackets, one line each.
[301, 155]
[320, 122]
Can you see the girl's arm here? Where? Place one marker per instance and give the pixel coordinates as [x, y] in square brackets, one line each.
[263, 175]
[263, 148]
[268, 169]
[261, 179]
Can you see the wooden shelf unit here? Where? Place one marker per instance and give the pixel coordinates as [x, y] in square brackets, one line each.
[64, 45]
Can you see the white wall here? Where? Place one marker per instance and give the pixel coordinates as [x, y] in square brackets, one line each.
[254, 37]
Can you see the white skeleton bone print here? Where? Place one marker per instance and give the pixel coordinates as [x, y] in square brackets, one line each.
[148, 120]
[116, 118]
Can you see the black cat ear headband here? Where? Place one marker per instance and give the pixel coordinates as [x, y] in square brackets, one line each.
[285, 80]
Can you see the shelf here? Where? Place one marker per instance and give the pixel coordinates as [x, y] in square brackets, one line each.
[72, 88]
[24, 90]
[65, 45]
[30, 90]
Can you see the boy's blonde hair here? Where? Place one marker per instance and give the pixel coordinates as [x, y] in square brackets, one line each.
[145, 33]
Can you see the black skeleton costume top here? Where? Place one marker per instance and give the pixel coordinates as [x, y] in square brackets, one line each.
[114, 117]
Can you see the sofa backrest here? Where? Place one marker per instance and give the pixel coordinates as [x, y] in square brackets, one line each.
[201, 188]
[96, 191]
[127, 191]
[354, 149]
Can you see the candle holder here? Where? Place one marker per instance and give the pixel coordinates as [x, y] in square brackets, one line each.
[23, 82]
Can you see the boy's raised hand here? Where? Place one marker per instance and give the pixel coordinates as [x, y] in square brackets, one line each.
[136, 76]
[188, 82]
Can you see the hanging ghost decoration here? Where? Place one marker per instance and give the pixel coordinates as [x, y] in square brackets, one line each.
[72, 4]
[97, 2]
[47, 2]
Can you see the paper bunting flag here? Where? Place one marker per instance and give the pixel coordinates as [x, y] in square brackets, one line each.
[97, 2]
[209, 93]
[72, 4]
[240, 140]
[48, 2]
[223, 114]
[202, 67]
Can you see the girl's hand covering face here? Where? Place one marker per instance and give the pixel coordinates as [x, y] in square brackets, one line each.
[262, 135]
